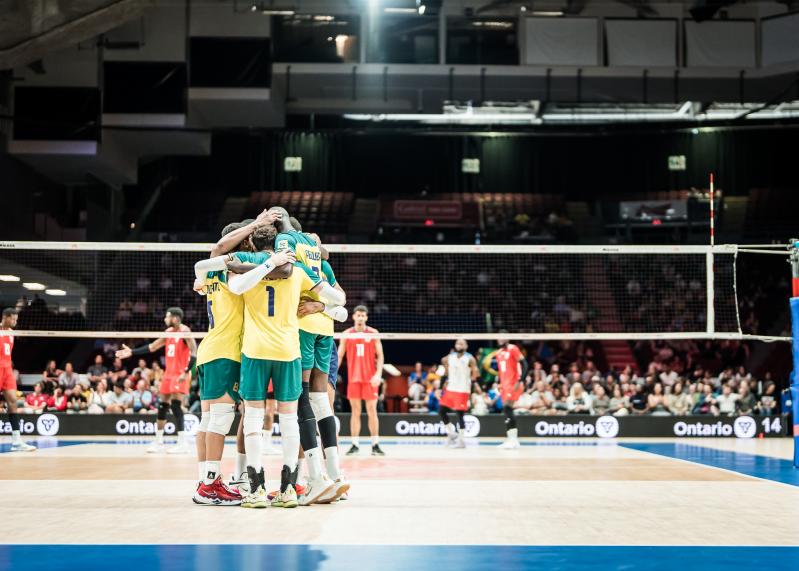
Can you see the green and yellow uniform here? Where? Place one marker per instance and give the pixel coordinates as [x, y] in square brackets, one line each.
[271, 345]
[316, 330]
[219, 353]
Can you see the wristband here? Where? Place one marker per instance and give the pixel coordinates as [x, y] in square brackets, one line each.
[192, 361]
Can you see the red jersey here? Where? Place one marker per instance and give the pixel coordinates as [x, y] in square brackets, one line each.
[509, 364]
[177, 354]
[6, 347]
[361, 357]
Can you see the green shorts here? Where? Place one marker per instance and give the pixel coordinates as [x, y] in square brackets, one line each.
[315, 350]
[218, 377]
[255, 374]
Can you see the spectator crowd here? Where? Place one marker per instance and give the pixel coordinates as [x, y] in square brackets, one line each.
[674, 382]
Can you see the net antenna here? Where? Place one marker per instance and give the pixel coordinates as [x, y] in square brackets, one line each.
[103, 290]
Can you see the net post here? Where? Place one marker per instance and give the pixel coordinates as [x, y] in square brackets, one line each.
[710, 287]
[794, 302]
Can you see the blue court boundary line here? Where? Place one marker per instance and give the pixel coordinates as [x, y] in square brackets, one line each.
[756, 466]
[391, 557]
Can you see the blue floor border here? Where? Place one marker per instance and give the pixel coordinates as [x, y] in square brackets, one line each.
[766, 467]
[385, 557]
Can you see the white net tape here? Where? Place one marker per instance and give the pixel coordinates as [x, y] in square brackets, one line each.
[121, 290]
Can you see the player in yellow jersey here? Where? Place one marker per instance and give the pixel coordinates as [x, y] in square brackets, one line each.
[316, 346]
[271, 349]
[218, 366]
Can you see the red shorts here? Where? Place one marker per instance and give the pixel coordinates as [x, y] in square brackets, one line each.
[509, 394]
[455, 400]
[363, 391]
[173, 385]
[7, 380]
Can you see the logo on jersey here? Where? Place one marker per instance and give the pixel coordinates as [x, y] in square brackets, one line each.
[47, 425]
[472, 426]
[744, 427]
[607, 427]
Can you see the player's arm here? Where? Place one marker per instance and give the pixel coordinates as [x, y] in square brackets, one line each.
[229, 241]
[381, 360]
[281, 272]
[201, 269]
[342, 350]
[329, 294]
[126, 351]
[473, 368]
[192, 344]
[241, 283]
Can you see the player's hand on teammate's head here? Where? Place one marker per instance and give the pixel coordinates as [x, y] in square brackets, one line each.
[123, 353]
[283, 257]
[263, 218]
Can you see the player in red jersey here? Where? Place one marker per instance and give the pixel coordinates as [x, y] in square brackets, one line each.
[8, 384]
[181, 355]
[364, 368]
[512, 367]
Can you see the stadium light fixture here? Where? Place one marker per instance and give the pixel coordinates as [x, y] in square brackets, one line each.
[8, 278]
[548, 13]
[56, 292]
[390, 10]
[33, 286]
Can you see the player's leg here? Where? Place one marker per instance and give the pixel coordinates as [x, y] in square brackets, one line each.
[176, 407]
[443, 413]
[270, 409]
[327, 432]
[252, 388]
[461, 424]
[355, 419]
[374, 426]
[200, 440]
[239, 478]
[511, 430]
[9, 388]
[160, 418]
[218, 383]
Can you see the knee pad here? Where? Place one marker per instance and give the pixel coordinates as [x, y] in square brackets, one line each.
[253, 420]
[163, 408]
[205, 420]
[289, 427]
[221, 418]
[304, 409]
[320, 404]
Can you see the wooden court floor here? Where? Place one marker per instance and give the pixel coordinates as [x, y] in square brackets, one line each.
[548, 493]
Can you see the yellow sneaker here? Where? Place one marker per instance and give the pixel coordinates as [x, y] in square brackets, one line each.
[256, 499]
[287, 499]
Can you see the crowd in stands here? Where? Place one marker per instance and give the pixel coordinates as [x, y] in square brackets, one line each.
[99, 390]
[675, 382]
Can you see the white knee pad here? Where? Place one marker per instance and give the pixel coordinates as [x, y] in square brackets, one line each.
[221, 418]
[204, 421]
[253, 420]
[320, 403]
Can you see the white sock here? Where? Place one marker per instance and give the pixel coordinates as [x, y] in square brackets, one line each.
[211, 471]
[253, 436]
[314, 463]
[15, 437]
[267, 438]
[513, 434]
[159, 435]
[355, 442]
[375, 440]
[332, 462]
[290, 429]
[301, 463]
[181, 437]
[450, 428]
[200, 471]
[241, 464]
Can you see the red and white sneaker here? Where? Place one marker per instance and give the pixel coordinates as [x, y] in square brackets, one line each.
[216, 494]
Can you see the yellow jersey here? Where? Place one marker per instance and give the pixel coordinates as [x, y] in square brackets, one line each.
[225, 321]
[271, 326]
[309, 253]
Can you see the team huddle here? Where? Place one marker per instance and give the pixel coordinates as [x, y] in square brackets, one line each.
[272, 299]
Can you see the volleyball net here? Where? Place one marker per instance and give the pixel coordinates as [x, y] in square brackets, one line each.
[416, 292]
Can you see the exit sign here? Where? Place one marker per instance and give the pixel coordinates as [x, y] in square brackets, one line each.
[292, 164]
[677, 162]
[470, 166]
